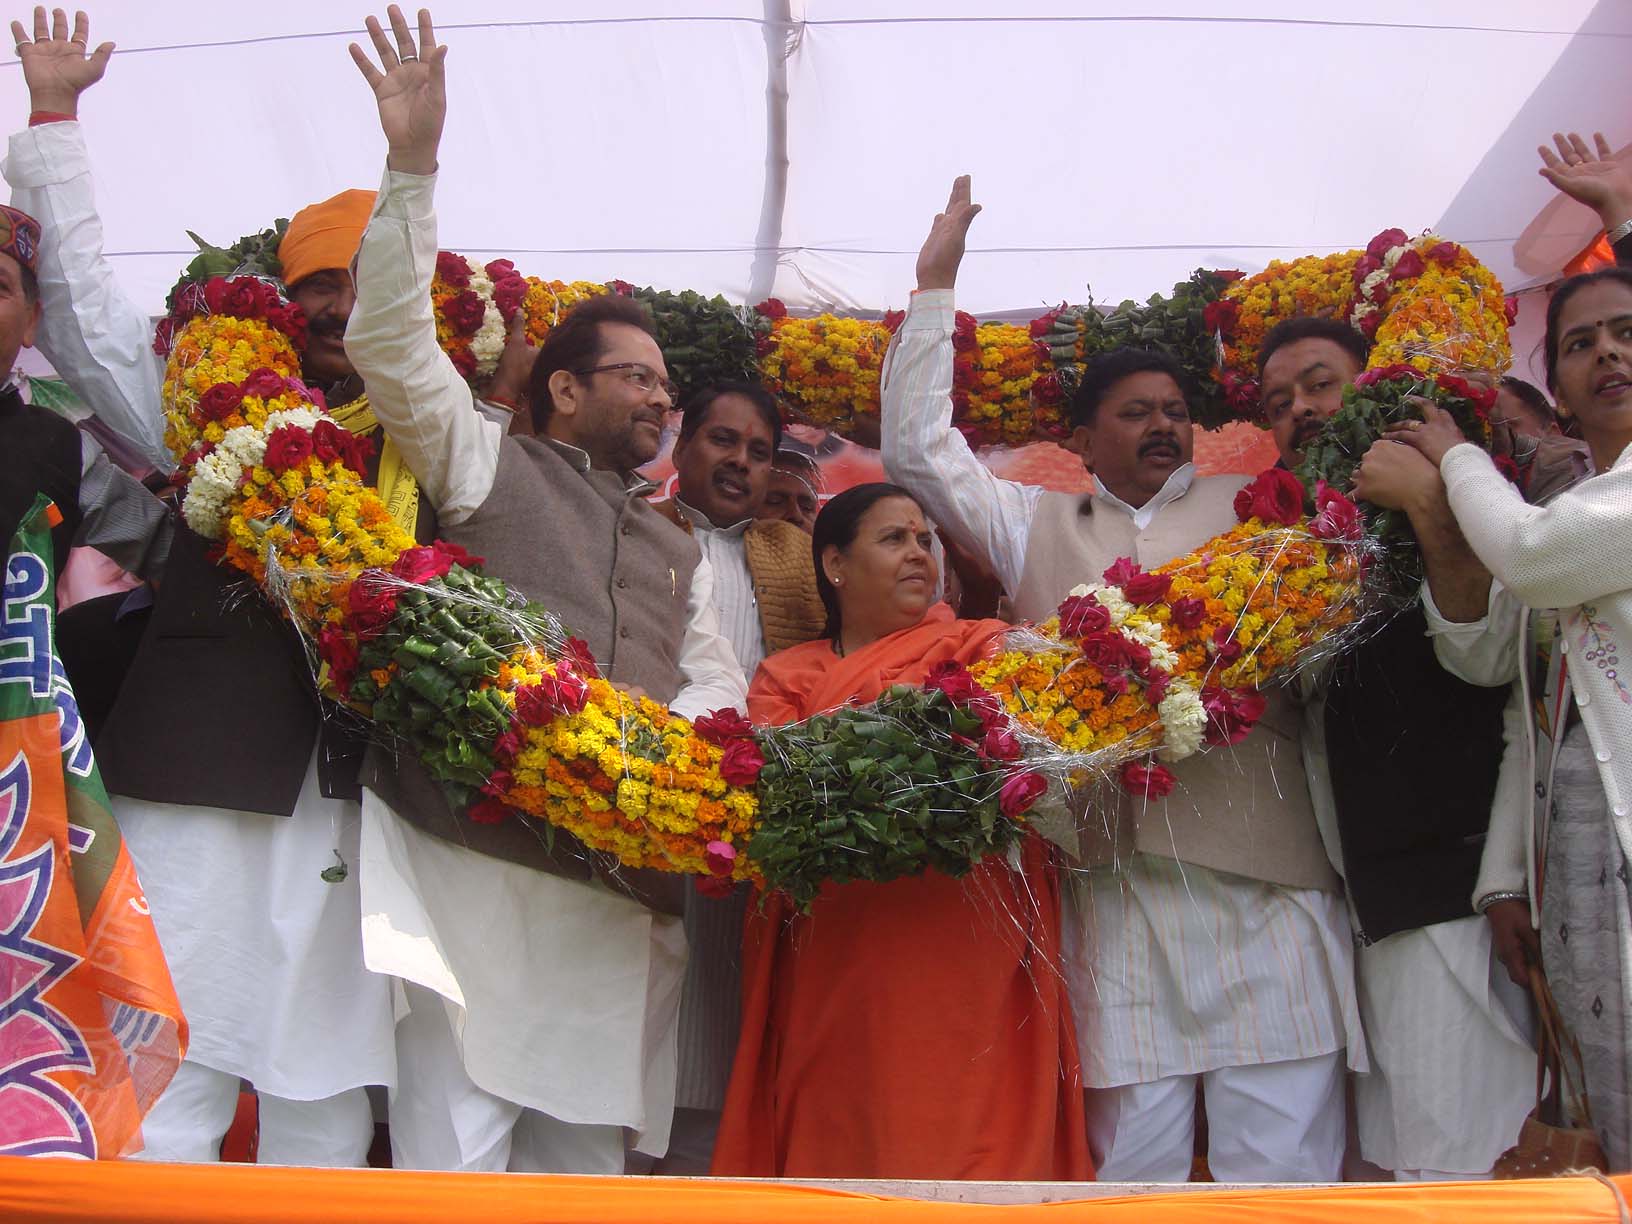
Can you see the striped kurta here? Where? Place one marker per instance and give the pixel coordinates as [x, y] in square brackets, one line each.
[1175, 969]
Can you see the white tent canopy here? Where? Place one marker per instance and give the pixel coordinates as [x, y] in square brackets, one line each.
[800, 149]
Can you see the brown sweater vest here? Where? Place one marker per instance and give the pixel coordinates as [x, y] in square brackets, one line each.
[589, 548]
[1242, 809]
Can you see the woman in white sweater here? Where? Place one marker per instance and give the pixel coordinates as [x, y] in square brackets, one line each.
[1569, 562]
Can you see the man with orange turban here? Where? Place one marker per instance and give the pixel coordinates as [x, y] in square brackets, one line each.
[240, 811]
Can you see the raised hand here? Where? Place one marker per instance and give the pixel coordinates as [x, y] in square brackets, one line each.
[943, 250]
[56, 68]
[1591, 176]
[411, 91]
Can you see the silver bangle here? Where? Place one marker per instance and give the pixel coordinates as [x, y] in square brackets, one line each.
[1490, 899]
[1619, 232]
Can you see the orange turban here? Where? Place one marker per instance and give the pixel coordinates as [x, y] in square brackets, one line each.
[325, 235]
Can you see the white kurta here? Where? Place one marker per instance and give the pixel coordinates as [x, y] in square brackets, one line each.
[566, 995]
[267, 957]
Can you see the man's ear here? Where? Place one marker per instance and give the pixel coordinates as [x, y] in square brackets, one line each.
[1081, 444]
[563, 388]
[33, 325]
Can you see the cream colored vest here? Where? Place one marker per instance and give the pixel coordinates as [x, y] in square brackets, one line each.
[1242, 809]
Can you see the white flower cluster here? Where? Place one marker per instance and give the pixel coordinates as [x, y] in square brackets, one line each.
[215, 479]
[1184, 722]
[488, 342]
[1148, 634]
[1364, 307]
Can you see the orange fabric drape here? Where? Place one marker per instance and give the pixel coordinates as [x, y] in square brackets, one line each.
[131, 1192]
[916, 1029]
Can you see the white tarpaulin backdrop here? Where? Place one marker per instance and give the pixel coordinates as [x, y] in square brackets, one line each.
[1112, 146]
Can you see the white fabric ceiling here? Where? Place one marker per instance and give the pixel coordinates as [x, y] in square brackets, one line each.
[1111, 146]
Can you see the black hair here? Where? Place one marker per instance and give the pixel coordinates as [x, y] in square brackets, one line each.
[1555, 308]
[1533, 398]
[696, 410]
[31, 283]
[1313, 327]
[836, 527]
[1110, 368]
[576, 342]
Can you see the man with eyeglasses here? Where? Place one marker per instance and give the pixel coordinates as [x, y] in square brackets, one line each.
[542, 1003]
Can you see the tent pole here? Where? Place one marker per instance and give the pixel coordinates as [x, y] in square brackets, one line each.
[781, 41]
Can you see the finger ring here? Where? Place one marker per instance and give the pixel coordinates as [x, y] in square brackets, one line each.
[408, 59]
[80, 41]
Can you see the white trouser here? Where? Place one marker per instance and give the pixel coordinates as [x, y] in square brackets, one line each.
[441, 1120]
[1273, 1122]
[193, 1114]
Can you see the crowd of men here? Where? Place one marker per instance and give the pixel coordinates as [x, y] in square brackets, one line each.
[1295, 926]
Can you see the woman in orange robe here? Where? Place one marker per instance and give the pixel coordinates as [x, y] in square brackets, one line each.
[920, 1028]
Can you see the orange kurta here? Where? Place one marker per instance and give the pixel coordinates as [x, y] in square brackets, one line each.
[916, 1029]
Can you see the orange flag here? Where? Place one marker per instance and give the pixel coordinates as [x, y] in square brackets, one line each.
[90, 1029]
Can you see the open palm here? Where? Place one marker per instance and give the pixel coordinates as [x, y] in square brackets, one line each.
[411, 91]
[1591, 176]
[56, 68]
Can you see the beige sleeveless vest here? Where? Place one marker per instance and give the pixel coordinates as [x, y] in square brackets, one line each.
[1242, 809]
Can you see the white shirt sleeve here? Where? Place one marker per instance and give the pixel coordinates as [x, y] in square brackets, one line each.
[924, 454]
[713, 677]
[97, 339]
[416, 393]
[1503, 866]
[1484, 651]
[1572, 550]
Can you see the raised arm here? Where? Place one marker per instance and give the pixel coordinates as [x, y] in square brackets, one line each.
[414, 390]
[923, 453]
[1595, 178]
[96, 338]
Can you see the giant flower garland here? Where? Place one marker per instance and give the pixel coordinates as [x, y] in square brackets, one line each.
[509, 714]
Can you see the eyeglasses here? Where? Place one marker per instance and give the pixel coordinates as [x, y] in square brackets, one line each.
[642, 375]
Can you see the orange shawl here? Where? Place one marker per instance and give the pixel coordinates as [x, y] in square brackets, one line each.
[915, 1029]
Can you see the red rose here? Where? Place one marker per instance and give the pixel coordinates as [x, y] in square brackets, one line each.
[1444, 252]
[1231, 713]
[1242, 394]
[1019, 792]
[419, 565]
[719, 857]
[1156, 686]
[1107, 651]
[1147, 781]
[1365, 266]
[358, 452]
[893, 320]
[339, 650]
[1038, 328]
[499, 781]
[714, 886]
[508, 294]
[1510, 307]
[1147, 588]
[464, 313]
[242, 297]
[1189, 612]
[772, 308]
[1047, 390]
[721, 726]
[509, 745]
[1081, 615]
[456, 554]
[164, 337]
[488, 811]
[328, 441]
[1483, 398]
[453, 269]
[1225, 647]
[742, 762]
[1388, 373]
[1138, 656]
[499, 269]
[1000, 744]
[574, 651]
[1505, 465]
[291, 321]
[1122, 569]
[1276, 496]
[1407, 266]
[371, 603]
[190, 300]
[220, 401]
[562, 693]
[1385, 242]
[1219, 317]
[288, 446]
[264, 384]
[464, 361]
[1336, 517]
[963, 332]
[624, 289]
[953, 679]
[1116, 683]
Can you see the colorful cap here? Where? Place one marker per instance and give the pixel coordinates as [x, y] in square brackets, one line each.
[20, 237]
[325, 235]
